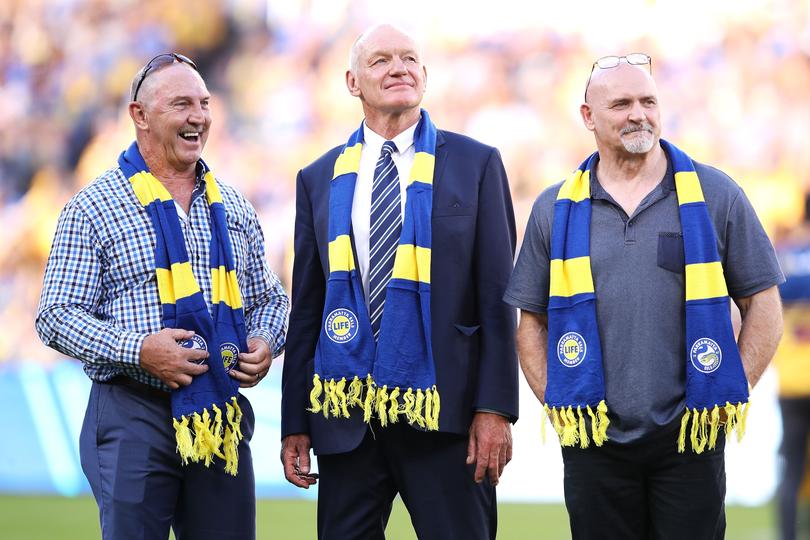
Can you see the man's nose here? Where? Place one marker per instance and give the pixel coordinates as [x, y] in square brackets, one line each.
[637, 113]
[197, 113]
[398, 66]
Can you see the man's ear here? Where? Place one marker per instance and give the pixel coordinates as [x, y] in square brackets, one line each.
[138, 115]
[587, 116]
[352, 84]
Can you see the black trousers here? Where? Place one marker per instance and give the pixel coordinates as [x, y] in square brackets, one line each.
[793, 453]
[356, 489]
[646, 490]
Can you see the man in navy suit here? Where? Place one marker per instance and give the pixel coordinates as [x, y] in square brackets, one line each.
[446, 477]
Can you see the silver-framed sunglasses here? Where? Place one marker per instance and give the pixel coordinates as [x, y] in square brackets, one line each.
[608, 62]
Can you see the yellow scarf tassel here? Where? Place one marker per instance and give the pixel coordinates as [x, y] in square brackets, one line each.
[437, 405]
[368, 404]
[341, 402]
[714, 427]
[410, 401]
[393, 406]
[555, 422]
[355, 392]
[382, 400]
[314, 394]
[604, 420]
[682, 434]
[185, 444]
[583, 431]
[417, 409]
[597, 438]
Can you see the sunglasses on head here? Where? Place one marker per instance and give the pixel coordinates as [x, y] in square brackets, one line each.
[158, 62]
[608, 62]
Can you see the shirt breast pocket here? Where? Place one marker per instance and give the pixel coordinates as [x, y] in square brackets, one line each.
[670, 252]
[239, 247]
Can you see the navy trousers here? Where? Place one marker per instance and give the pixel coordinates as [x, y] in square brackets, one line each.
[356, 489]
[646, 490]
[128, 453]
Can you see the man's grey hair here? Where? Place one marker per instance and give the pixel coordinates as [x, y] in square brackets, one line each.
[354, 52]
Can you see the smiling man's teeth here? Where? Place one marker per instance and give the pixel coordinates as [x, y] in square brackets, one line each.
[192, 135]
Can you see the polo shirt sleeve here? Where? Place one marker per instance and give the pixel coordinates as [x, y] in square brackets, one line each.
[750, 264]
[528, 286]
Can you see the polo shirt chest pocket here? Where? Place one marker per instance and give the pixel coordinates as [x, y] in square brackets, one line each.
[670, 252]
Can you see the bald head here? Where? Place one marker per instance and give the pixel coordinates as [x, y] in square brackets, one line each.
[625, 75]
[360, 43]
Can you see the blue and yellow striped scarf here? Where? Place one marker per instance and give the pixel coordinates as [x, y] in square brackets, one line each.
[199, 436]
[714, 373]
[400, 366]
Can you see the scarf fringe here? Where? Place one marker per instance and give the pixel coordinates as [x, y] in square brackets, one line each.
[200, 440]
[332, 398]
[572, 425]
[706, 425]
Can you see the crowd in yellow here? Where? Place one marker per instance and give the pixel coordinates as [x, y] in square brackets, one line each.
[734, 96]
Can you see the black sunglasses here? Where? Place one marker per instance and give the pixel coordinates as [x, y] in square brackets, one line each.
[158, 62]
[607, 62]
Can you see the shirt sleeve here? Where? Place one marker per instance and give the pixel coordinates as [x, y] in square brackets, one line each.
[750, 262]
[528, 286]
[265, 301]
[66, 317]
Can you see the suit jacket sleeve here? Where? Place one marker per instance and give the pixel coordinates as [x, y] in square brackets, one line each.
[497, 382]
[308, 292]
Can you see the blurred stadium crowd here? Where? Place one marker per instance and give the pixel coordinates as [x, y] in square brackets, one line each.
[734, 92]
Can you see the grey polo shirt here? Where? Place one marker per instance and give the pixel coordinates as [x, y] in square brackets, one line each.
[638, 270]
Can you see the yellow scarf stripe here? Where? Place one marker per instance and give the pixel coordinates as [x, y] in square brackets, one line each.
[577, 187]
[349, 160]
[212, 189]
[422, 169]
[148, 189]
[341, 257]
[176, 283]
[705, 280]
[412, 263]
[571, 276]
[688, 187]
[224, 288]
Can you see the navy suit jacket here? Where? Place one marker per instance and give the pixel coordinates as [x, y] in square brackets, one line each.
[473, 230]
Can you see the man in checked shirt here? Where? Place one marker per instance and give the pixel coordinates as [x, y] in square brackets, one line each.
[100, 304]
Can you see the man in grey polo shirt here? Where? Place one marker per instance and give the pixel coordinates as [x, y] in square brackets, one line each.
[637, 484]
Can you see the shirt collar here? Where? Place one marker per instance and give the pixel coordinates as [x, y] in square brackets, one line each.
[375, 141]
[598, 192]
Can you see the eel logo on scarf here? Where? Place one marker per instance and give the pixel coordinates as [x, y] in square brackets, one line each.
[198, 409]
[576, 383]
[395, 376]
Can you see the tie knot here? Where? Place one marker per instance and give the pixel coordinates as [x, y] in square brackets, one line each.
[388, 148]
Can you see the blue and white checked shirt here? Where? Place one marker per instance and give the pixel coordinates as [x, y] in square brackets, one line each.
[100, 296]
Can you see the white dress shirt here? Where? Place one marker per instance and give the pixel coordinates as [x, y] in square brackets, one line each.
[361, 204]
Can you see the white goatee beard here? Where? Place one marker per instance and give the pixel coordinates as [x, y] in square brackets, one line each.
[641, 144]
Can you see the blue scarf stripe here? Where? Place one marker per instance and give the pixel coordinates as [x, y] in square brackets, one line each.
[577, 242]
[695, 222]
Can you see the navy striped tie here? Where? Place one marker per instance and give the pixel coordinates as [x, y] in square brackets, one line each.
[386, 224]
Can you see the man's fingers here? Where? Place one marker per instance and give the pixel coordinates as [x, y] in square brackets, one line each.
[178, 333]
[303, 460]
[471, 448]
[494, 468]
[481, 465]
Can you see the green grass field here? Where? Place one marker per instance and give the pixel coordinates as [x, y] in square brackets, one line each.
[55, 518]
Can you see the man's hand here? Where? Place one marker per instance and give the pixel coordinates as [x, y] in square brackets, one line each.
[254, 364]
[490, 446]
[164, 358]
[295, 458]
